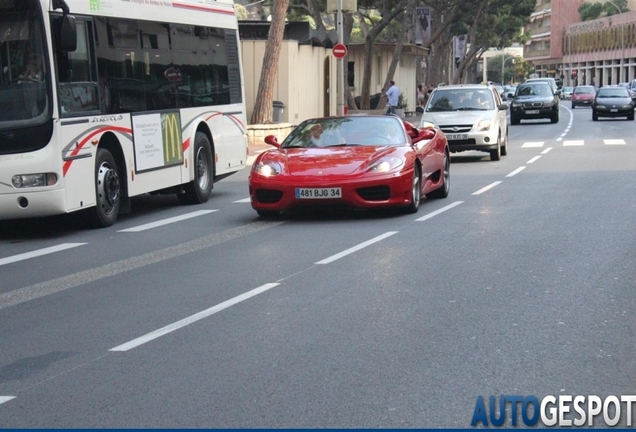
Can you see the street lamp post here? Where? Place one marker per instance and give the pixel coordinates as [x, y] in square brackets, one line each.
[503, 62]
[620, 12]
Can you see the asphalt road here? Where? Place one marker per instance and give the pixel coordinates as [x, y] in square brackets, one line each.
[520, 282]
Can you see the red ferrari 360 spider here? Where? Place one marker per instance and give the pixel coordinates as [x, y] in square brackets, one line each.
[368, 161]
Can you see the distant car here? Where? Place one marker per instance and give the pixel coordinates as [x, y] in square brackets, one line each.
[551, 81]
[510, 91]
[583, 95]
[472, 116]
[566, 93]
[612, 101]
[632, 93]
[534, 100]
[356, 161]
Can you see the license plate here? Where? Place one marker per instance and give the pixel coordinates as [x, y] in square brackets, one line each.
[318, 193]
[613, 110]
[456, 137]
[532, 111]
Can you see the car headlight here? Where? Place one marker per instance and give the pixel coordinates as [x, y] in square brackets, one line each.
[268, 169]
[601, 106]
[516, 104]
[386, 165]
[628, 106]
[483, 125]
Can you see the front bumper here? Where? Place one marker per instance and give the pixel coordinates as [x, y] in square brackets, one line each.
[364, 191]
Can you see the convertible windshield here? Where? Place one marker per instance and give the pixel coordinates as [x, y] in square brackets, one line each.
[23, 78]
[347, 131]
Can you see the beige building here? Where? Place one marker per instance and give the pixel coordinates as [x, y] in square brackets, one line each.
[601, 51]
[306, 78]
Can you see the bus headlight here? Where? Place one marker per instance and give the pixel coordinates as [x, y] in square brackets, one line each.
[33, 180]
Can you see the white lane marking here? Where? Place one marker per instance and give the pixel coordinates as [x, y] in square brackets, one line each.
[436, 212]
[533, 144]
[569, 126]
[614, 142]
[573, 143]
[244, 200]
[349, 251]
[4, 399]
[39, 252]
[534, 159]
[167, 221]
[484, 189]
[193, 318]
[515, 172]
[546, 150]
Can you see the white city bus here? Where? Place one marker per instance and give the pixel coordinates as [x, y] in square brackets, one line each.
[104, 100]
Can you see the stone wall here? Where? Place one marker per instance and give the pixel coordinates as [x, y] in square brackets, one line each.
[257, 133]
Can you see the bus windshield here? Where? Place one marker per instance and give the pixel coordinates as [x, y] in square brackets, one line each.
[24, 83]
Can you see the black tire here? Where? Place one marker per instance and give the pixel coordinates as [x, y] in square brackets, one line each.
[416, 191]
[267, 214]
[630, 116]
[495, 154]
[573, 106]
[554, 118]
[514, 120]
[107, 190]
[198, 190]
[594, 116]
[504, 147]
[443, 191]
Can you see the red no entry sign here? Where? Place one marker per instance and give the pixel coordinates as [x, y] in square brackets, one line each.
[339, 50]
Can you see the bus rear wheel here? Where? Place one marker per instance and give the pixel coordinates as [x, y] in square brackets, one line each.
[198, 190]
[107, 189]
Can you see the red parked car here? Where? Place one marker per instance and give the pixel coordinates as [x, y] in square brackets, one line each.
[583, 96]
[368, 161]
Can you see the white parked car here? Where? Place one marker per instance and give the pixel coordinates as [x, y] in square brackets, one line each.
[472, 116]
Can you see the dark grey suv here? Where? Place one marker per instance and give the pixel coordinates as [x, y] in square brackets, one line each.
[534, 100]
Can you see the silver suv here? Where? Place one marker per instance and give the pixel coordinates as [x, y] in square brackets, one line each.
[472, 116]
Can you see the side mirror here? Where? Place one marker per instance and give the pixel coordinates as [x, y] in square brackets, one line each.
[502, 107]
[272, 140]
[67, 36]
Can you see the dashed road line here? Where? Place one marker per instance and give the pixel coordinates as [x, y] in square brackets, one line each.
[356, 248]
[4, 399]
[614, 142]
[533, 144]
[484, 189]
[534, 159]
[573, 143]
[546, 151]
[436, 212]
[193, 318]
[167, 221]
[517, 171]
[244, 200]
[39, 252]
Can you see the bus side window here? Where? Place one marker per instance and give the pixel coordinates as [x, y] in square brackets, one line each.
[77, 87]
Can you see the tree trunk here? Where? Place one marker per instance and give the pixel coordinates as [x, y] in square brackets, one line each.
[263, 110]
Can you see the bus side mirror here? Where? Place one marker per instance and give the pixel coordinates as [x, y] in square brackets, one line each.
[67, 36]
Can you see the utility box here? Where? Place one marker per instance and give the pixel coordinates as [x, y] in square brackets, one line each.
[279, 108]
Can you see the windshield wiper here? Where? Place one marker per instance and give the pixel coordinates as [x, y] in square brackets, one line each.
[340, 145]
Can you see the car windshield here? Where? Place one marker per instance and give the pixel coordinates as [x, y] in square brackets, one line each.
[616, 92]
[584, 90]
[461, 100]
[347, 131]
[567, 89]
[534, 90]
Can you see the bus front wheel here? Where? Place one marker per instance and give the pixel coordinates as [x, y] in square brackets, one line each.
[107, 189]
[198, 190]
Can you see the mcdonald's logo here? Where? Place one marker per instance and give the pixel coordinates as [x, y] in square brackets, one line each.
[172, 143]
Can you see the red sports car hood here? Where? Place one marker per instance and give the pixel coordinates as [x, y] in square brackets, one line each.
[329, 161]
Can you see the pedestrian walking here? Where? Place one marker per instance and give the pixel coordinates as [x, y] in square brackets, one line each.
[393, 95]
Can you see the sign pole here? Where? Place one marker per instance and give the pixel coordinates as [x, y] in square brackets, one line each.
[340, 62]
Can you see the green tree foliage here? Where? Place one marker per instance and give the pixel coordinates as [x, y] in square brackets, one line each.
[592, 11]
